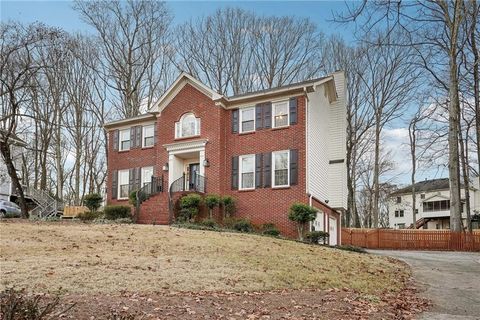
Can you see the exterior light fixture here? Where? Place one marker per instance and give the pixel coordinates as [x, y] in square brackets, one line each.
[206, 163]
[165, 167]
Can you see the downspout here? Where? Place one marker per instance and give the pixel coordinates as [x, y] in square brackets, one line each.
[307, 142]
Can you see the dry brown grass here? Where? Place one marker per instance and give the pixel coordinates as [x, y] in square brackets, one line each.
[88, 258]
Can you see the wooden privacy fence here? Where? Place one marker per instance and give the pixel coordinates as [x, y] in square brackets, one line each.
[73, 211]
[411, 239]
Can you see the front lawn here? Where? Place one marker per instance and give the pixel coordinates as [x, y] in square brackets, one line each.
[87, 258]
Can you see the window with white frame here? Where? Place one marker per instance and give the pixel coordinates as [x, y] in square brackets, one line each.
[188, 126]
[147, 173]
[281, 168]
[148, 136]
[124, 139]
[280, 114]
[247, 120]
[123, 184]
[247, 172]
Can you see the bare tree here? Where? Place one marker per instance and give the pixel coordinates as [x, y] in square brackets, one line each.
[134, 45]
[18, 66]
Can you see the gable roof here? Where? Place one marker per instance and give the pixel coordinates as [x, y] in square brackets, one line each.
[425, 186]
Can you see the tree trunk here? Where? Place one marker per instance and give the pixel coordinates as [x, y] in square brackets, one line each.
[376, 172]
[466, 180]
[12, 172]
[453, 122]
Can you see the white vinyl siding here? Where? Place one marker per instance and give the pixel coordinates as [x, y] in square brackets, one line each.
[247, 120]
[280, 114]
[247, 172]
[124, 140]
[148, 136]
[281, 168]
[147, 173]
[123, 184]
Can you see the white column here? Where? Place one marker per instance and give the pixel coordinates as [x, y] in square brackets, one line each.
[201, 158]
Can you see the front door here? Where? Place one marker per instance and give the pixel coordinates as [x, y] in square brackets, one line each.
[193, 170]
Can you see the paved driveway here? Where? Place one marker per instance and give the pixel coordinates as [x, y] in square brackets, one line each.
[450, 279]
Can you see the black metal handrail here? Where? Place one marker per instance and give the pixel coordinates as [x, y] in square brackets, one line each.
[151, 188]
[197, 183]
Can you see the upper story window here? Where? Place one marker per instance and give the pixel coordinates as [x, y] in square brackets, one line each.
[280, 114]
[247, 172]
[422, 196]
[399, 213]
[247, 120]
[399, 199]
[124, 139]
[148, 136]
[188, 126]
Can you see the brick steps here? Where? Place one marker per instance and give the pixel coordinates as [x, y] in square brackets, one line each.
[155, 210]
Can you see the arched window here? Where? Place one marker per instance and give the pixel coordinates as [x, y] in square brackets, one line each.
[187, 126]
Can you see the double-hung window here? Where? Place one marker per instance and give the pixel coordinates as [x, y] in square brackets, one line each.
[281, 167]
[280, 114]
[124, 139]
[123, 184]
[147, 173]
[247, 172]
[148, 136]
[247, 120]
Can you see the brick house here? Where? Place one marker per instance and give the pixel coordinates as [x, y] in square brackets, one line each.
[267, 149]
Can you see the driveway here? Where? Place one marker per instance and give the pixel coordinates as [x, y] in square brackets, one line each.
[450, 279]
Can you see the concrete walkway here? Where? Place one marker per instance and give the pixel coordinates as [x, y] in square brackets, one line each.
[450, 279]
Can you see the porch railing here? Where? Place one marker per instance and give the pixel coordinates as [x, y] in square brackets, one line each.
[151, 188]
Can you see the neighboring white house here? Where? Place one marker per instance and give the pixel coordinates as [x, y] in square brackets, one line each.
[6, 187]
[432, 204]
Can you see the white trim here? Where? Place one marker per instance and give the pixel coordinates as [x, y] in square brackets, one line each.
[274, 105]
[273, 168]
[240, 171]
[119, 197]
[120, 139]
[144, 136]
[240, 118]
[128, 122]
[179, 126]
[177, 85]
[186, 146]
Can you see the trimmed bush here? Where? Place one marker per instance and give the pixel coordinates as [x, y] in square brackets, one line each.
[92, 201]
[212, 201]
[117, 212]
[210, 223]
[89, 215]
[270, 229]
[316, 236]
[302, 214]
[229, 206]
[189, 205]
[243, 225]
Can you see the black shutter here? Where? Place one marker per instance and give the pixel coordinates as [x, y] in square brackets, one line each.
[138, 136]
[258, 170]
[133, 131]
[259, 116]
[235, 121]
[138, 178]
[267, 169]
[267, 115]
[234, 173]
[155, 133]
[293, 110]
[131, 179]
[114, 183]
[293, 167]
[115, 140]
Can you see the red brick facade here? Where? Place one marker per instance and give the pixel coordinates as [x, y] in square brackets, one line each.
[262, 205]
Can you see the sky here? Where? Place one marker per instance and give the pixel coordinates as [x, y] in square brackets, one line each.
[60, 14]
